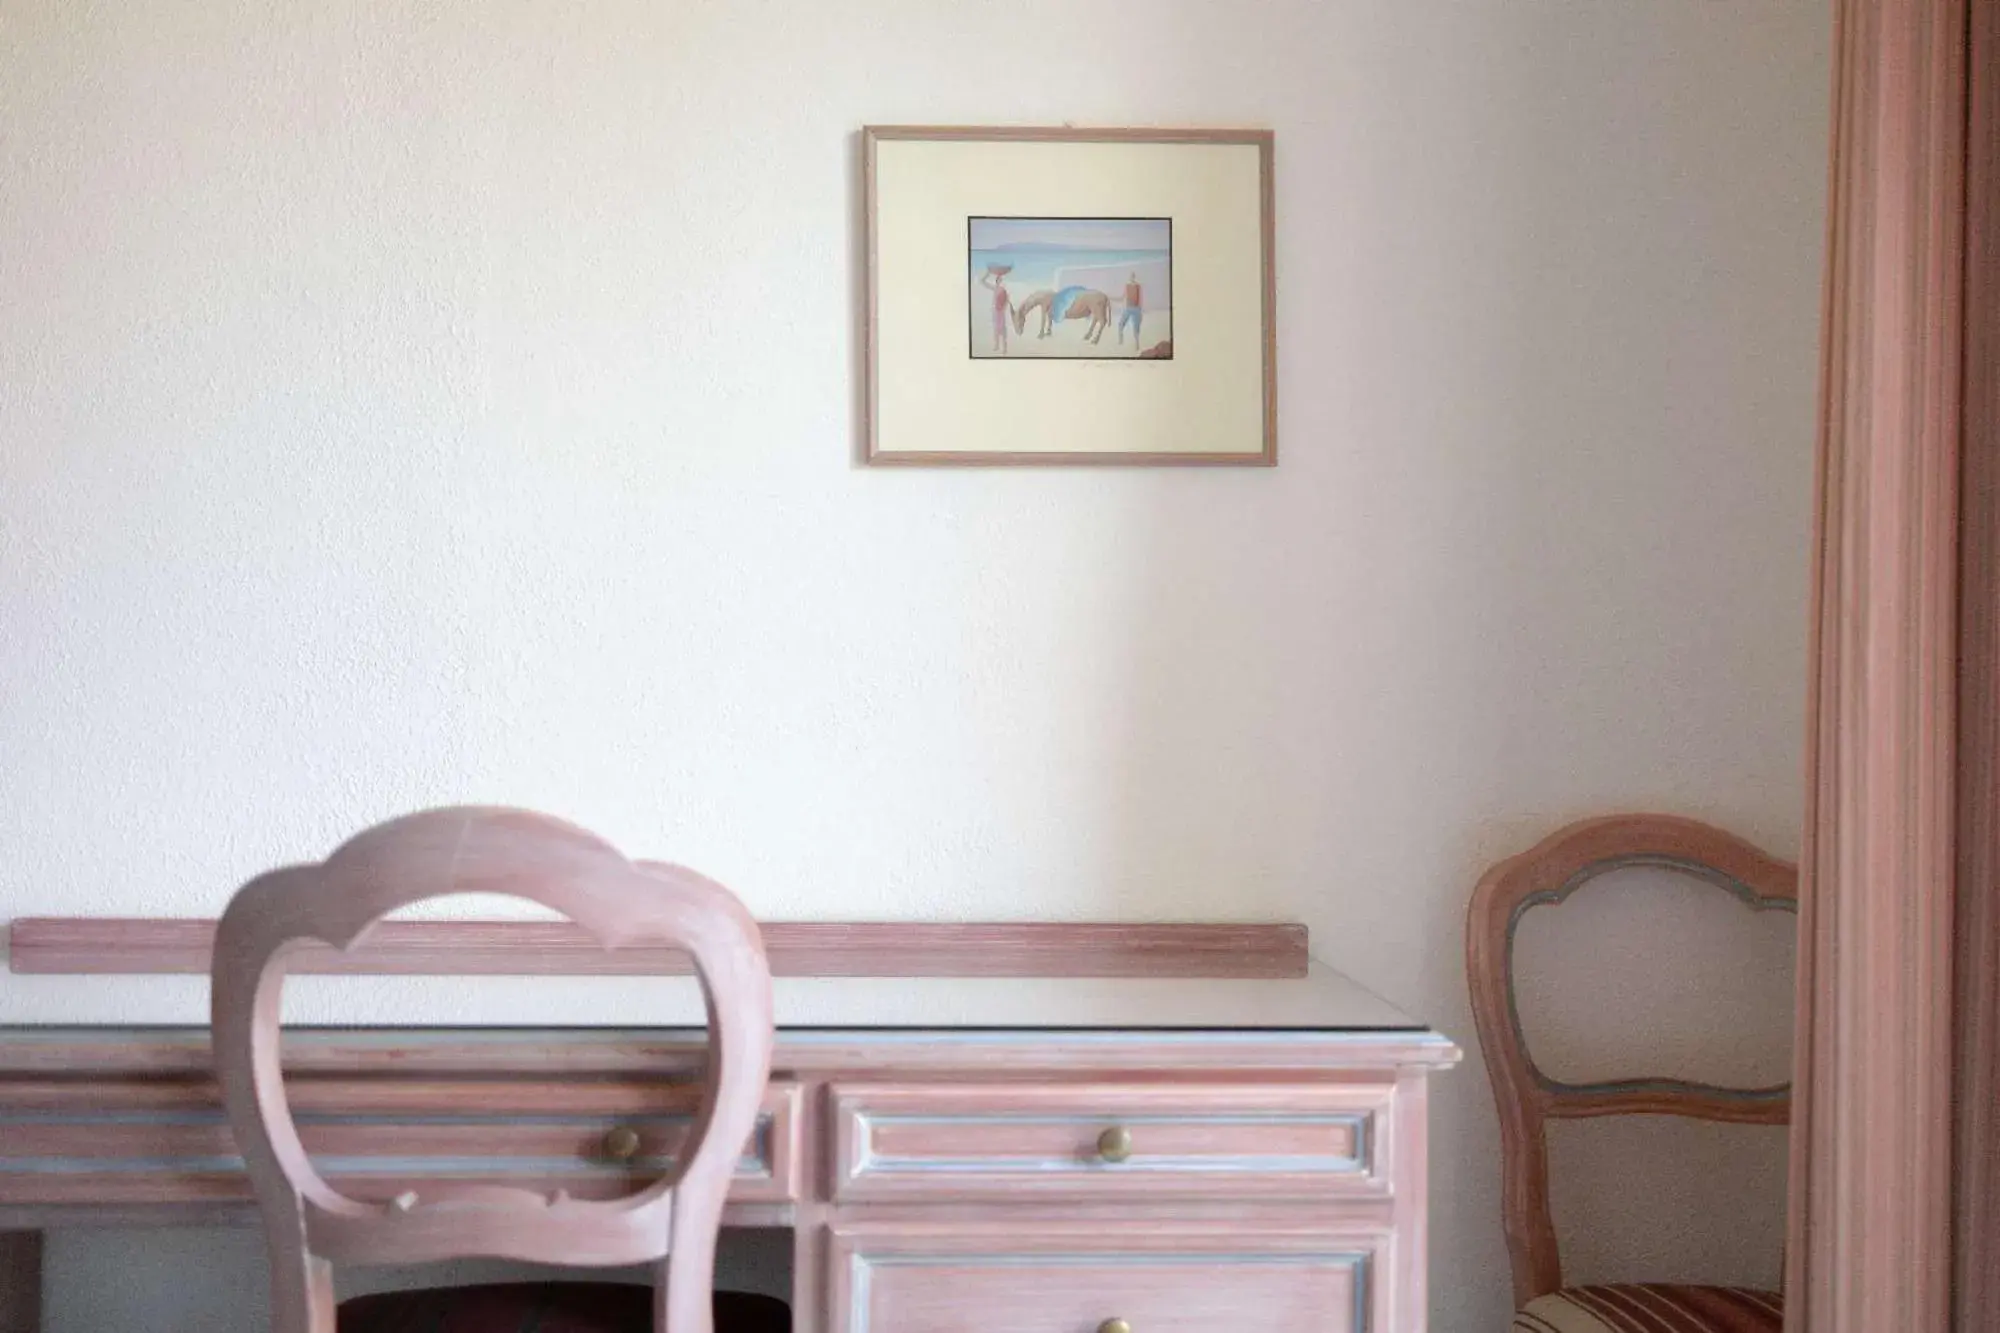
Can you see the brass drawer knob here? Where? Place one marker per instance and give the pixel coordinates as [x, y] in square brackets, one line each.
[1114, 1326]
[1115, 1145]
[622, 1144]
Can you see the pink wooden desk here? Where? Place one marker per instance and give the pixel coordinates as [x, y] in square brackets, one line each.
[1024, 1155]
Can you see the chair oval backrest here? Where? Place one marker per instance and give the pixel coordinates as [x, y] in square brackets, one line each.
[310, 1224]
[1527, 1097]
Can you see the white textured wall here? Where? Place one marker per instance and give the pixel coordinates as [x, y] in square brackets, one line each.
[420, 402]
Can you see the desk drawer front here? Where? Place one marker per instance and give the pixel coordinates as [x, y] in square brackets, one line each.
[170, 1142]
[1053, 1281]
[1306, 1141]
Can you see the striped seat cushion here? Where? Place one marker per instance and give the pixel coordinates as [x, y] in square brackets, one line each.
[545, 1307]
[1653, 1308]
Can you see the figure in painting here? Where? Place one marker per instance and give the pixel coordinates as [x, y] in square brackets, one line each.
[1133, 313]
[1077, 278]
[1069, 303]
[996, 279]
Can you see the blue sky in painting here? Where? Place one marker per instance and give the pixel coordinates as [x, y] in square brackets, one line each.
[1120, 234]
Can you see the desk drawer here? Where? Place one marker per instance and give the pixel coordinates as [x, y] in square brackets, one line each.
[1059, 1278]
[169, 1142]
[1113, 1140]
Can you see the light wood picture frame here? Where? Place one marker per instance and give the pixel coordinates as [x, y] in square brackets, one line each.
[1069, 296]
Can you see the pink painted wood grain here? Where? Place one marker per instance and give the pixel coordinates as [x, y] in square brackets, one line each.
[168, 946]
[371, 1091]
[1015, 1142]
[311, 1223]
[1155, 1274]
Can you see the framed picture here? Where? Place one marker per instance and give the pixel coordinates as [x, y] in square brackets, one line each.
[1069, 296]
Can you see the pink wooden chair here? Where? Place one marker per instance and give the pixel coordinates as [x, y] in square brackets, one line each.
[1528, 1098]
[673, 1223]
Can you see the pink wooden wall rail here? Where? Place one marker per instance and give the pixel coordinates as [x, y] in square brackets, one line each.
[85, 945]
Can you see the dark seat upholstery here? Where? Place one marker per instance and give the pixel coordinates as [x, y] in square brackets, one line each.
[546, 1307]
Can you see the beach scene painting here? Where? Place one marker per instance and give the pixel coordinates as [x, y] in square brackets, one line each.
[1071, 288]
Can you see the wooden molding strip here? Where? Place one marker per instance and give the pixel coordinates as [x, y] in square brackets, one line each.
[153, 1060]
[178, 946]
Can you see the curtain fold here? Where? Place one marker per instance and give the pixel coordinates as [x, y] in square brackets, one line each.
[1976, 1215]
[1871, 1224]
